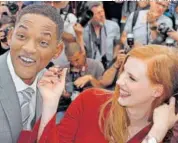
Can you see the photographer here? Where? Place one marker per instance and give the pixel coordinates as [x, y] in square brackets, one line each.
[4, 10]
[6, 24]
[83, 71]
[99, 35]
[13, 7]
[143, 24]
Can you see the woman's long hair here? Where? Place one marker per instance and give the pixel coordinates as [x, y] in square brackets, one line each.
[162, 64]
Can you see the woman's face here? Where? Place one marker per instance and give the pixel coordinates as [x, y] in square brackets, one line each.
[136, 89]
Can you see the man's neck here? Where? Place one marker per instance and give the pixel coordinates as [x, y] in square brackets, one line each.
[28, 81]
[97, 30]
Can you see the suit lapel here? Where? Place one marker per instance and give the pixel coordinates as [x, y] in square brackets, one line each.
[9, 99]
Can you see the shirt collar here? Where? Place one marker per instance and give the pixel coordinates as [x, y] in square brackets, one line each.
[18, 82]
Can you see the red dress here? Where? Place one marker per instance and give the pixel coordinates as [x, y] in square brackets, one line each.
[80, 123]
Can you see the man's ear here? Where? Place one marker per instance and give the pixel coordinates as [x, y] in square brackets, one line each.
[9, 36]
[158, 90]
[59, 49]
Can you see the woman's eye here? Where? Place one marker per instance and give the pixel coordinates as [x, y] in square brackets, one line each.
[133, 79]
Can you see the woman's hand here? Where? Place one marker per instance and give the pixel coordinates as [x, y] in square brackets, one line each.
[164, 118]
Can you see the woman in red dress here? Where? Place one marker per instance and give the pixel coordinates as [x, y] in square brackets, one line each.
[148, 79]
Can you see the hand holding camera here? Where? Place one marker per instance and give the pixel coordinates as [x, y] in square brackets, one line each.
[82, 81]
[78, 29]
[173, 34]
[120, 59]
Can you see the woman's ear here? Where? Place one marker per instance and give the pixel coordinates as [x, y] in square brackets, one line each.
[59, 49]
[158, 90]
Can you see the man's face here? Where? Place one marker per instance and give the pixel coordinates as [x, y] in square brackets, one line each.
[4, 11]
[142, 4]
[98, 15]
[77, 60]
[57, 4]
[159, 7]
[33, 44]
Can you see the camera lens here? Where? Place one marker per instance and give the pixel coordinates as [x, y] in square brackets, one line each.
[85, 18]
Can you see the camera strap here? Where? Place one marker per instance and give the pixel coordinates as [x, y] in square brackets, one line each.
[134, 20]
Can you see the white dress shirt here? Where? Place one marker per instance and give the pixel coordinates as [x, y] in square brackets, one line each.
[20, 86]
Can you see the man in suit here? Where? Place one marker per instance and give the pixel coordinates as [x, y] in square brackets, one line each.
[34, 41]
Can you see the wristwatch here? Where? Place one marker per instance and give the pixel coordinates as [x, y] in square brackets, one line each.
[150, 139]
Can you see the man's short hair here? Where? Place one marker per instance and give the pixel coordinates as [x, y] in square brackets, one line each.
[47, 11]
[92, 4]
[72, 48]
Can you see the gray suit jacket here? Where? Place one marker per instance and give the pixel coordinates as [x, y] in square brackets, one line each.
[10, 113]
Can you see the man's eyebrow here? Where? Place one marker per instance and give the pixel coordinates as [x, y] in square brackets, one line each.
[47, 33]
[22, 26]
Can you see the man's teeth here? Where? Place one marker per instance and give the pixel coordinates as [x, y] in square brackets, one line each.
[28, 60]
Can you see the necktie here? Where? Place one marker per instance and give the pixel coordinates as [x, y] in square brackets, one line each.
[25, 106]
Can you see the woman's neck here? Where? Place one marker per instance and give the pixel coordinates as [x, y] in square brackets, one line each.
[138, 118]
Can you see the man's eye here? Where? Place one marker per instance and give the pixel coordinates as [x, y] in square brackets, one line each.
[44, 44]
[21, 36]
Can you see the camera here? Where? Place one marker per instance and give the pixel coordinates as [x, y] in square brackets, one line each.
[84, 14]
[13, 7]
[170, 42]
[85, 17]
[130, 40]
[163, 29]
[70, 87]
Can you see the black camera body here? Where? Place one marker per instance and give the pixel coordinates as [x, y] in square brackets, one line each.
[75, 76]
[83, 13]
[13, 7]
[163, 29]
[70, 87]
[85, 17]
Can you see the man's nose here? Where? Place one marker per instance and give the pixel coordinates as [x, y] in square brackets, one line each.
[30, 47]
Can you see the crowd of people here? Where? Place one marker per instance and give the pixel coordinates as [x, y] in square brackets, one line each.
[78, 72]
